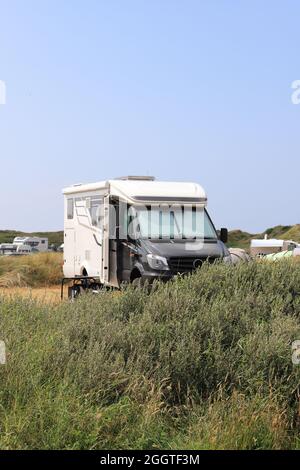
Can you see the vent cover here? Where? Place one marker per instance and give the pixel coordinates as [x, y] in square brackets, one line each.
[136, 178]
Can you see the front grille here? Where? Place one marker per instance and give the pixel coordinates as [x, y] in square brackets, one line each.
[187, 263]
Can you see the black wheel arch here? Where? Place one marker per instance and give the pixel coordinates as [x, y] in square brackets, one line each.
[135, 274]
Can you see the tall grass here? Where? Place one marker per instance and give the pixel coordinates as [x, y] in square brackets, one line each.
[204, 362]
[41, 269]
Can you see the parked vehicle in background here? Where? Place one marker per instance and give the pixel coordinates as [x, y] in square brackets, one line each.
[36, 244]
[265, 246]
[10, 249]
[7, 249]
[24, 246]
[296, 251]
[136, 229]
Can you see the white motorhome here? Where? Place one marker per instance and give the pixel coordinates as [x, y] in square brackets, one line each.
[134, 229]
[37, 244]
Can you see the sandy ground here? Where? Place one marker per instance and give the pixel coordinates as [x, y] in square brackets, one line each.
[45, 294]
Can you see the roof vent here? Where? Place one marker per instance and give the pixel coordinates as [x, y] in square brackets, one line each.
[136, 178]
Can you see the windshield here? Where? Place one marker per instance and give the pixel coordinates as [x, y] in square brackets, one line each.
[173, 223]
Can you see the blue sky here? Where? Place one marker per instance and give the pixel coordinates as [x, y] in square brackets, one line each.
[183, 90]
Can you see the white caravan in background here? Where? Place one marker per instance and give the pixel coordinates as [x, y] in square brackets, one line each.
[136, 229]
[267, 246]
[37, 244]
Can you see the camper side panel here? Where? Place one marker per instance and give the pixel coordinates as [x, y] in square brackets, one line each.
[83, 234]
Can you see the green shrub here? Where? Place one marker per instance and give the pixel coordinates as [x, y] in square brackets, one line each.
[202, 362]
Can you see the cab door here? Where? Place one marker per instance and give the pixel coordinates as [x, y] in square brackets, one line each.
[109, 245]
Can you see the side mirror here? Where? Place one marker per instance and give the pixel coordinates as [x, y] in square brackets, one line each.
[224, 235]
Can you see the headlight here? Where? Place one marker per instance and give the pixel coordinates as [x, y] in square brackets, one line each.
[157, 262]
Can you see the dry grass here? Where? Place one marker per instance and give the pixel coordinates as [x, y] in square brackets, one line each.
[47, 295]
[42, 269]
[239, 422]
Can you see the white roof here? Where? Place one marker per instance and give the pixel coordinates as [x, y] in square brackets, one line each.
[269, 243]
[145, 190]
[23, 239]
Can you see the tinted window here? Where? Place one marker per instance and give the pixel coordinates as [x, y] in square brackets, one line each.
[96, 209]
[70, 209]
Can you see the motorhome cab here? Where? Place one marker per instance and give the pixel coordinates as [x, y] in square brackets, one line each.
[134, 229]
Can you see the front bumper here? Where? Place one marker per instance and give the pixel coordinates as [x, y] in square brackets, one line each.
[179, 266]
[159, 275]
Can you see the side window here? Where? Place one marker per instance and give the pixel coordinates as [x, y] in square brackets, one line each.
[96, 209]
[70, 208]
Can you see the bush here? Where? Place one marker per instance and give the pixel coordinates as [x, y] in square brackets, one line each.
[202, 362]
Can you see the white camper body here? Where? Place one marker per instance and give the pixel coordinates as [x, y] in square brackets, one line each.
[87, 220]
